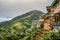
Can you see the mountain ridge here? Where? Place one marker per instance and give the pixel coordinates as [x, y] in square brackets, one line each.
[24, 20]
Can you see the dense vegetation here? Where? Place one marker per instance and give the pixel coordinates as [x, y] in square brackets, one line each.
[22, 34]
[51, 36]
[28, 34]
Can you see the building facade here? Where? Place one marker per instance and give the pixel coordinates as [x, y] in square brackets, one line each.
[52, 18]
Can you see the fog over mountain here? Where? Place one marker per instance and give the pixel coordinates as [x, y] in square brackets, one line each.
[4, 19]
[13, 8]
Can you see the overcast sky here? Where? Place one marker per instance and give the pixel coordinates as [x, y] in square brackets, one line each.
[12, 8]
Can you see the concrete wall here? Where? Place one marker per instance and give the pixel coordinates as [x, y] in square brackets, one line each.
[57, 9]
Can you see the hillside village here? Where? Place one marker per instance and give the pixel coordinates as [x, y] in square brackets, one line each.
[50, 19]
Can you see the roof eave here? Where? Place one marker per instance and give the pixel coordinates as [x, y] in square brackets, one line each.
[54, 3]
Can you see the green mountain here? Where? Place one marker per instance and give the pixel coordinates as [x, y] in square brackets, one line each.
[21, 21]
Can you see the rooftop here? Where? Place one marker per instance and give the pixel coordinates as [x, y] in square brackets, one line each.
[55, 2]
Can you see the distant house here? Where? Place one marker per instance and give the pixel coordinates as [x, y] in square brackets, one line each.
[34, 23]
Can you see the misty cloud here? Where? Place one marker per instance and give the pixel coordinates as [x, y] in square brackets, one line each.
[12, 8]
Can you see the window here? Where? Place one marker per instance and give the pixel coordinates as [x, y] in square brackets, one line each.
[57, 20]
